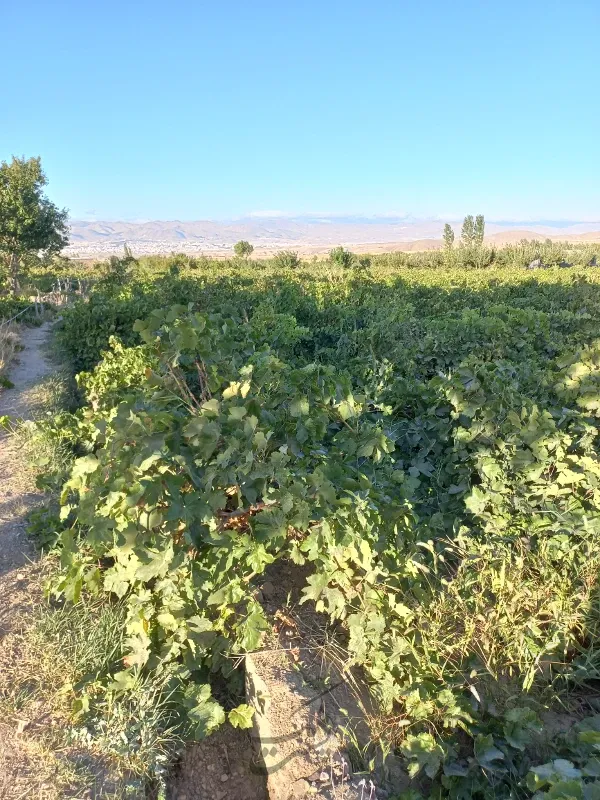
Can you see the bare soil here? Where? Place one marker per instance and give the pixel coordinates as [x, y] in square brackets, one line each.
[307, 701]
[223, 767]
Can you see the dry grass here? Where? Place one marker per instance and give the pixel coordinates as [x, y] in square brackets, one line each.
[9, 344]
[41, 660]
[43, 768]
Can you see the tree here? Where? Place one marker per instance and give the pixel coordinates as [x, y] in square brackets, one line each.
[287, 259]
[342, 257]
[128, 256]
[243, 249]
[479, 229]
[467, 234]
[29, 221]
[448, 236]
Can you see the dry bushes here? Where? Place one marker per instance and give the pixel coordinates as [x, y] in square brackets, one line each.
[9, 344]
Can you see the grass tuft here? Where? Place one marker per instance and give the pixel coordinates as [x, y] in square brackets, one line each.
[110, 745]
[9, 345]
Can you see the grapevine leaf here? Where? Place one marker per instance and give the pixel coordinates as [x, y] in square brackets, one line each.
[241, 716]
[299, 407]
[316, 584]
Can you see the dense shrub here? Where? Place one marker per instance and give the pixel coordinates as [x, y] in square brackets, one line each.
[286, 259]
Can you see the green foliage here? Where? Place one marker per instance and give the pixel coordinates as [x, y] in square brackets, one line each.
[117, 271]
[448, 236]
[121, 371]
[280, 330]
[29, 221]
[243, 249]
[246, 427]
[471, 237]
[479, 230]
[287, 259]
[440, 484]
[341, 257]
[67, 654]
[241, 716]
[467, 234]
[11, 306]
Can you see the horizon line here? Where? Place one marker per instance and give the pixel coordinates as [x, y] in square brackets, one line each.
[341, 216]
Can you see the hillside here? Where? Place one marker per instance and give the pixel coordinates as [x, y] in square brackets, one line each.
[307, 235]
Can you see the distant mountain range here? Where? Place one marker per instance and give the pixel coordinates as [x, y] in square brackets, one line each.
[307, 234]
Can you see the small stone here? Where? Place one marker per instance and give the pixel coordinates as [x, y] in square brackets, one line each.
[20, 576]
[300, 788]
[22, 725]
[323, 777]
[182, 797]
[224, 777]
[328, 746]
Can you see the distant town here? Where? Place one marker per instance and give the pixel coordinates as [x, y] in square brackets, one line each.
[306, 235]
[145, 248]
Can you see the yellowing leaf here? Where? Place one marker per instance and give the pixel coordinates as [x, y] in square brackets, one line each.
[299, 407]
[241, 716]
[231, 391]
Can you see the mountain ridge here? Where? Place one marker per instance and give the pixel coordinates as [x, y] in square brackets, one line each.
[315, 233]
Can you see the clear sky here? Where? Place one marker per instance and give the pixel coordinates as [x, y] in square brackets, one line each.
[190, 110]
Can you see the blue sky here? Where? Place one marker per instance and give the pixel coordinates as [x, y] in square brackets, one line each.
[190, 110]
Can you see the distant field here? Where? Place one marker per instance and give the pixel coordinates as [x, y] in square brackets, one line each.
[87, 253]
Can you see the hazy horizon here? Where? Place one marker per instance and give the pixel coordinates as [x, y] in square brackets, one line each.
[344, 216]
[306, 234]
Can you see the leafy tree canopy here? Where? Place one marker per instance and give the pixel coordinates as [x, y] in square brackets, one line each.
[243, 249]
[448, 236]
[29, 221]
[342, 257]
[467, 234]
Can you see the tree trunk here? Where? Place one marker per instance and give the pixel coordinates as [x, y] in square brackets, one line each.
[13, 271]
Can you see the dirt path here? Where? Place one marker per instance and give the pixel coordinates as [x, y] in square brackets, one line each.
[19, 568]
[17, 492]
